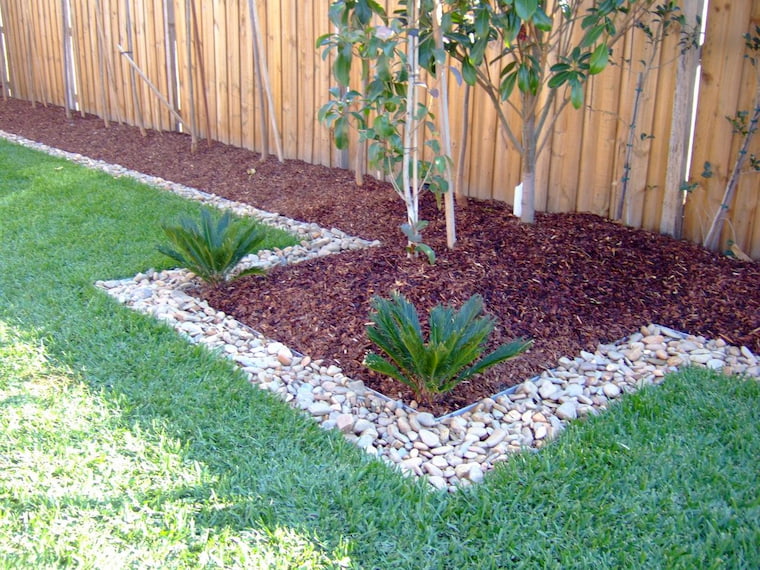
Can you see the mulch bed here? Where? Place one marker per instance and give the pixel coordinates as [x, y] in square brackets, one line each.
[569, 281]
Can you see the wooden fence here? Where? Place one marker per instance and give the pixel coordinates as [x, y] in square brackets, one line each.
[190, 65]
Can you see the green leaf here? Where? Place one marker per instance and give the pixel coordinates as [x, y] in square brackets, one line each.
[341, 133]
[507, 85]
[504, 352]
[428, 251]
[482, 23]
[523, 78]
[363, 12]
[576, 94]
[591, 36]
[526, 8]
[599, 58]
[469, 73]
[560, 79]
[542, 21]
[342, 66]
[212, 248]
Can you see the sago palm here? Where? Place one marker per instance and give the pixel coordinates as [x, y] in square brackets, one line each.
[212, 248]
[457, 340]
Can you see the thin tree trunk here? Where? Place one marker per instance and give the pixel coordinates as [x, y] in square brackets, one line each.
[712, 239]
[529, 159]
[409, 183]
[459, 184]
[360, 158]
[623, 198]
[443, 117]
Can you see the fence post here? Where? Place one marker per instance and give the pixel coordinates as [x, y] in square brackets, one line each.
[671, 219]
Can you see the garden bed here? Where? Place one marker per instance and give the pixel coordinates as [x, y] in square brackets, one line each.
[570, 281]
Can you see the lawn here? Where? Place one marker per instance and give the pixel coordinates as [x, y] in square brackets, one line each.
[122, 445]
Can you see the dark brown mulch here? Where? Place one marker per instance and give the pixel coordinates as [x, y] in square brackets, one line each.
[569, 282]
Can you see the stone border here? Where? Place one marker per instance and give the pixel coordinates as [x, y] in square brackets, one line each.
[451, 451]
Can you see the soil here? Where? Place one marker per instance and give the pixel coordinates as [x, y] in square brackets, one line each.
[569, 281]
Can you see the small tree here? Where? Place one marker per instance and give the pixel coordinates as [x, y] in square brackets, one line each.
[744, 123]
[388, 112]
[548, 50]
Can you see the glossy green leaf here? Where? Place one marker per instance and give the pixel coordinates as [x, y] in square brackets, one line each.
[341, 133]
[559, 79]
[599, 58]
[469, 73]
[542, 21]
[507, 85]
[526, 8]
[342, 66]
[523, 78]
[576, 94]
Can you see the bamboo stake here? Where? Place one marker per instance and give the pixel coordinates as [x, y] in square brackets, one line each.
[264, 125]
[170, 38]
[29, 56]
[101, 71]
[68, 70]
[190, 78]
[202, 69]
[152, 87]
[261, 67]
[132, 77]
[3, 55]
[107, 58]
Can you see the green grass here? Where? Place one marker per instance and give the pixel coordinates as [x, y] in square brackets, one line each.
[121, 445]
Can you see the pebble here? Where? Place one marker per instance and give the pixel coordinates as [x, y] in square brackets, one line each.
[452, 451]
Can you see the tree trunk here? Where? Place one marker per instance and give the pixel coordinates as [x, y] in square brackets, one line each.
[529, 159]
[712, 239]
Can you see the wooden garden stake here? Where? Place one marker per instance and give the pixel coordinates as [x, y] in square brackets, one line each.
[103, 50]
[68, 64]
[261, 95]
[190, 78]
[29, 57]
[170, 38]
[152, 87]
[133, 79]
[261, 68]
[202, 70]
